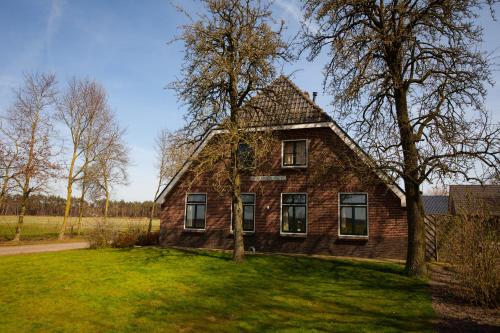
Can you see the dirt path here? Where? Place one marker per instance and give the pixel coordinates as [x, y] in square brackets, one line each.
[20, 249]
[454, 314]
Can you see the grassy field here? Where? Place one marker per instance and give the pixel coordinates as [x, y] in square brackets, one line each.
[47, 227]
[165, 290]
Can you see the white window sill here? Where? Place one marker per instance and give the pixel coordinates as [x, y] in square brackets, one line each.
[353, 237]
[194, 230]
[293, 234]
[244, 233]
[294, 166]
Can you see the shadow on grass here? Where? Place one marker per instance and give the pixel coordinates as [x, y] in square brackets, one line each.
[283, 292]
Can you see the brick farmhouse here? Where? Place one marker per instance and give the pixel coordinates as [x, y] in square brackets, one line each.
[309, 201]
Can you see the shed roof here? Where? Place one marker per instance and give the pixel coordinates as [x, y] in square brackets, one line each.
[435, 204]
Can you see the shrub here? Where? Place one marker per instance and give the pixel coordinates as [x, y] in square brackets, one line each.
[101, 235]
[472, 245]
[111, 235]
[129, 236]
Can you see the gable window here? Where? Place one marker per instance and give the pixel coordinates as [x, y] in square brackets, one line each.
[353, 214]
[248, 212]
[246, 156]
[293, 213]
[294, 153]
[196, 207]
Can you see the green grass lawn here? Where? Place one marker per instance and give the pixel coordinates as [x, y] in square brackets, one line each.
[165, 290]
[47, 227]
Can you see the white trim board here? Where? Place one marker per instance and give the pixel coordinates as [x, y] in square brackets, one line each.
[332, 125]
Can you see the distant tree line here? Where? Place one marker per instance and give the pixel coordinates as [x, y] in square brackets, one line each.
[51, 205]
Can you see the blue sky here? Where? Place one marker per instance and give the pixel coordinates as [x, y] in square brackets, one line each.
[123, 45]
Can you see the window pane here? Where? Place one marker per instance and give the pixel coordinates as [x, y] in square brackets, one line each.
[299, 198]
[287, 198]
[288, 153]
[360, 224]
[346, 220]
[200, 212]
[353, 199]
[285, 218]
[248, 212]
[196, 198]
[189, 216]
[248, 198]
[300, 219]
[300, 151]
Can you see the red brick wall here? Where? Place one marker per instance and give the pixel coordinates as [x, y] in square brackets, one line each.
[328, 173]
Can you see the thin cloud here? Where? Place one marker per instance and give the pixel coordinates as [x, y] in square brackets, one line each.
[53, 22]
[296, 13]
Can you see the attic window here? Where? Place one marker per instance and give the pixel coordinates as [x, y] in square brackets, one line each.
[294, 153]
[246, 156]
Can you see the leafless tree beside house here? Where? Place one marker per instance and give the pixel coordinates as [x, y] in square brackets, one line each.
[172, 150]
[408, 80]
[29, 124]
[231, 53]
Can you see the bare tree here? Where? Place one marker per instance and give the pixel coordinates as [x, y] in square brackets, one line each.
[9, 160]
[230, 54]
[31, 119]
[172, 150]
[94, 143]
[110, 167]
[408, 82]
[79, 109]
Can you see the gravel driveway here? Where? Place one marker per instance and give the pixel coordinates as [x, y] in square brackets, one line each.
[20, 249]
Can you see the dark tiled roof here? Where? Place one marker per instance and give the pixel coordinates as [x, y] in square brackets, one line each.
[435, 204]
[282, 103]
[465, 196]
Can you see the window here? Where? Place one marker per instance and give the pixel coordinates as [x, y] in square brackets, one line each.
[294, 213]
[294, 153]
[353, 214]
[246, 156]
[196, 206]
[248, 212]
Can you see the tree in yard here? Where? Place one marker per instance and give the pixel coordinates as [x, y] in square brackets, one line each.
[172, 150]
[30, 118]
[409, 82]
[94, 143]
[80, 110]
[110, 166]
[9, 161]
[231, 53]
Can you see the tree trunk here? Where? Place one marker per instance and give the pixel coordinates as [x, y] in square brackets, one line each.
[239, 246]
[5, 185]
[106, 207]
[81, 202]
[67, 208]
[415, 256]
[22, 212]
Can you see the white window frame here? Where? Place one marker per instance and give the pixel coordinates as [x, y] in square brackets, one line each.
[283, 156]
[367, 218]
[254, 211]
[185, 211]
[294, 234]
